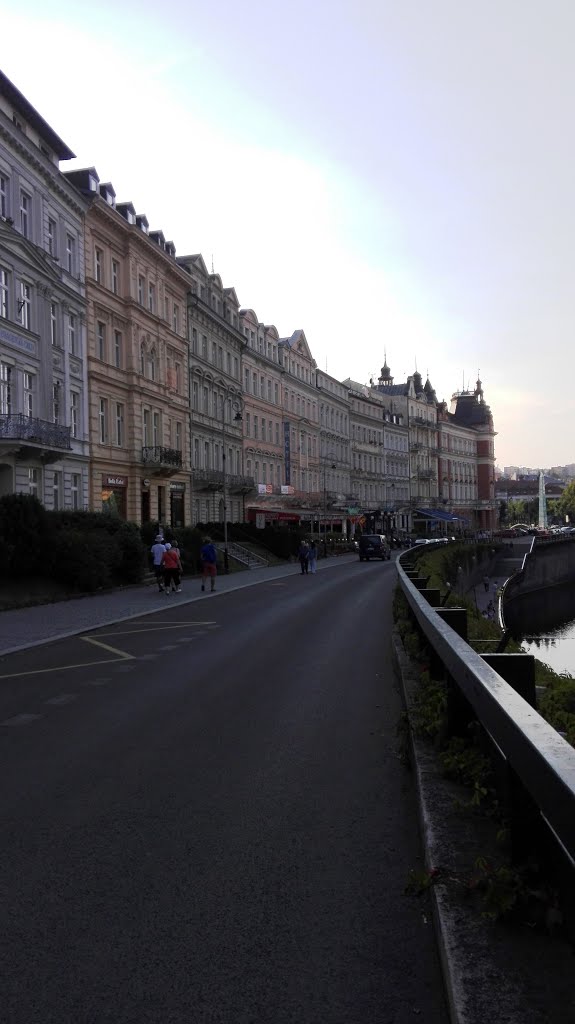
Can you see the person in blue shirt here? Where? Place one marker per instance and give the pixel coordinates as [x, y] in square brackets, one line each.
[209, 559]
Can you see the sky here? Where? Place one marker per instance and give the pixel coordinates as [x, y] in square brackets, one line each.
[394, 178]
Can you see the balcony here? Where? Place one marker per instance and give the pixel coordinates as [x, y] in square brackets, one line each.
[213, 480]
[28, 437]
[416, 446]
[426, 474]
[162, 461]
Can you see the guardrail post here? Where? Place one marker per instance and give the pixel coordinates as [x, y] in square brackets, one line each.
[524, 818]
[459, 713]
[432, 595]
[518, 670]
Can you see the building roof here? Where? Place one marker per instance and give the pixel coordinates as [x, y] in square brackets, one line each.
[31, 115]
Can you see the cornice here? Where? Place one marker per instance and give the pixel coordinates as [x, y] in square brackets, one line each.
[50, 177]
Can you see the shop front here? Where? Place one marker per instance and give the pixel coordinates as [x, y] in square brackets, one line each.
[115, 495]
[177, 504]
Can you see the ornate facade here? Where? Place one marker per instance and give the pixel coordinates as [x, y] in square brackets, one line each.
[43, 366]
[137, 362]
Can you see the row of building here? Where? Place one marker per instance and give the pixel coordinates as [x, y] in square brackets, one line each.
[132, 380]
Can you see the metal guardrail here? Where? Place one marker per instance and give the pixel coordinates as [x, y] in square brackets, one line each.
[540, 761]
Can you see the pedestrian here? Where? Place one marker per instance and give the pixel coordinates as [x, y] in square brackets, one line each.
[172, 569]
[486, 584]
[158, 548]
[303, 555]
[209, 559]
[312, 557]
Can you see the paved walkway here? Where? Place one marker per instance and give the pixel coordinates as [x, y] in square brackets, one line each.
[22, 628]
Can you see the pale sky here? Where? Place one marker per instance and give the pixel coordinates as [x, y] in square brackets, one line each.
[389, 176]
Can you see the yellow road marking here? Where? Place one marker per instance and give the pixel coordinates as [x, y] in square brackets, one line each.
[60, 668]
[123, 655]
[153, 629]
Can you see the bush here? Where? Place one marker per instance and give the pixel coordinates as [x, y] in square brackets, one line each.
[130, 558]
[23, 535]
[83, 562]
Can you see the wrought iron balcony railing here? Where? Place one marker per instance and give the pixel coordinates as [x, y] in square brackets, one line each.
[163, 458]
[213, 480]
[32, 431]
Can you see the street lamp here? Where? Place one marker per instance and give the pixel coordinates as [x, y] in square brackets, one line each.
[237, 403]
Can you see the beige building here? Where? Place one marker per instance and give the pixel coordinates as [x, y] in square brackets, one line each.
[335, 449]
[216, 342]
[137, 362]
[263, 417]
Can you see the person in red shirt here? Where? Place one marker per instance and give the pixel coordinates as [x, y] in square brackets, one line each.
[172, 568]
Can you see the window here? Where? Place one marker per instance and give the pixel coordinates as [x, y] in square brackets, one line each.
[141, 291]
[196, 454]
[4, 205]
[276, 393]
[254, 383]
[74, 413]
[156, 429]
[236, 368]
[29, 383]
[118, 360]
[204, 347]
[98, 263]
[152, 298]
[214, 352]
[103, 420]
[115, 276]
[152, 364]
[146, 427]
[246, 381]
[4, 305]
[269, 390]
[52, 247]
[5, 389]
[256, 427]
[178, 438]
[220, 357]
[277, 438]
[194, 341]
[56, 386]
[75, 490]
[119, 424]
[70, 253]
[101, 341]
[195, 395]
[33, 481]
[53, 323]
[24, 305]
[205, 403]
[72, 333]
[25, 210]
[263, 429]
[57, 489]
[176, 319]
[248, 425]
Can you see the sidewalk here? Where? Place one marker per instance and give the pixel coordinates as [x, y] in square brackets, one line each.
[22, 628]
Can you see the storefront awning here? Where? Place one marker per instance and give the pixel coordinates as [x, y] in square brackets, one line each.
[437, 513]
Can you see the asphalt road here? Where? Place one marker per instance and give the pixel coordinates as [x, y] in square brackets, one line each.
[205, 818]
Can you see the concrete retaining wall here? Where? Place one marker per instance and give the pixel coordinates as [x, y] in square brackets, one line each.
[548, 565]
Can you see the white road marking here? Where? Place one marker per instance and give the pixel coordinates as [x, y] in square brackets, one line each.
[123, 655]
[21, 719]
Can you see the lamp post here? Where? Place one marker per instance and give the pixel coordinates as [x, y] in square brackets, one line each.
[237, 403]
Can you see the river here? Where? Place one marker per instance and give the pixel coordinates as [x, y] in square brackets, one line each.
[545, 624]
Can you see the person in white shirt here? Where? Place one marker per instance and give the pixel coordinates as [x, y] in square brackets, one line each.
[158, 548]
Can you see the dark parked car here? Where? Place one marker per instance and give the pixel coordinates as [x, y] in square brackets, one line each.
[373, 545]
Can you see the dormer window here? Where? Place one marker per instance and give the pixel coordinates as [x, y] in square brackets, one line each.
[92, 183]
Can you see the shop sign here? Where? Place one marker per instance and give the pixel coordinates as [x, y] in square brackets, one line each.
[177, 487]
[10, 338]
[265, 489]
[287, 489]
[115, 481]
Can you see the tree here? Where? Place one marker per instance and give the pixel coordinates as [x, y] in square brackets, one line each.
[516, 511]
[566, 503]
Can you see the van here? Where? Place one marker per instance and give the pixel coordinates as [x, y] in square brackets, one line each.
[373, 545]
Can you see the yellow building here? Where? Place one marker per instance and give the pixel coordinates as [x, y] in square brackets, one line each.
[137, 362]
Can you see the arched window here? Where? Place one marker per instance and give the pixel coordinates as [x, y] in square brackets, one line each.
[152, 364]
[143, 359]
